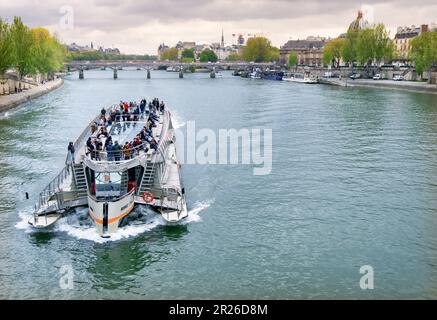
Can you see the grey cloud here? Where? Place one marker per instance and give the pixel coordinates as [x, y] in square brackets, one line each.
[105, 20]
[111, 15]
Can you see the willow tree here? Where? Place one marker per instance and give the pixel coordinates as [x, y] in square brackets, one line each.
[365, 47]
[6, 49]
[332, 52]
[259, 49]
[22, 43]
[368, 45]
[424, 51]
[44, 51]
[384, 47]
[349, 52]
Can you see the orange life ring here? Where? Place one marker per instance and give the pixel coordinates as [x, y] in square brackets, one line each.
[148, 197]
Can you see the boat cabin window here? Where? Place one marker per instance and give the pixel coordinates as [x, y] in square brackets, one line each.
[108, 184]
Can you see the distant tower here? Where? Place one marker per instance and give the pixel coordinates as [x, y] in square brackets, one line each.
[92, 46]
[223, 40]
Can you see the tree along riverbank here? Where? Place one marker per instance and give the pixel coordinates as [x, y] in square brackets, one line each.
[11, 101]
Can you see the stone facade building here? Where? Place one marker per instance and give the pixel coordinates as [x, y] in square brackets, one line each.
[403, 37]
[162, 47]
[309, 51]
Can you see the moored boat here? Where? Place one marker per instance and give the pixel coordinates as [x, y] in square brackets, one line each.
[272, 75]
[300, 78]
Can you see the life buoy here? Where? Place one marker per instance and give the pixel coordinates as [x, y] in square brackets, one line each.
[148, 197]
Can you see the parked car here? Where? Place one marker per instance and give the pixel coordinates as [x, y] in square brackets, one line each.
[355, 76]
[398, 77]
[378, 76]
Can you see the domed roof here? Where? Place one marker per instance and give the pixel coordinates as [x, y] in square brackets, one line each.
[359, 23]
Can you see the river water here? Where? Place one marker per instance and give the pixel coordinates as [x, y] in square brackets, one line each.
[353, 183]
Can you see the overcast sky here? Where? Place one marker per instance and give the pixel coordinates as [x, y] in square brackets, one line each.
[136, 26]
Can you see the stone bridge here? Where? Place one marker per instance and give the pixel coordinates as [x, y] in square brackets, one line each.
[159, 65]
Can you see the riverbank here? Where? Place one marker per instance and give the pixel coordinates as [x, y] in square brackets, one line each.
[414, 86]
[11, 101]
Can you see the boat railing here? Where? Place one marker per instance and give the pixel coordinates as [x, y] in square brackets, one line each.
[54, 188]
[123, 154]
[87, 131]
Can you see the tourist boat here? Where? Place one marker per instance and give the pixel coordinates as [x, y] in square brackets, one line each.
[111, 184]
[300, 78]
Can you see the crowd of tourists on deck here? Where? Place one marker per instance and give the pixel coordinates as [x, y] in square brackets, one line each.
[100, 145]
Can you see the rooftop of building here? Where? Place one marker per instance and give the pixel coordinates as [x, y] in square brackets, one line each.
[305, 44]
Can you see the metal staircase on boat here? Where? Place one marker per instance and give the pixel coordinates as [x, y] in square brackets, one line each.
[80, 180]
[148, 178]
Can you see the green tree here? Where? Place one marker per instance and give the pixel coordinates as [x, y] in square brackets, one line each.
[332, 52]
[424, 51]
[6, 54]
[293, 59]
[368, 45]
[48, 54]
[187, 55]
[208, 55]
[274, 54]
[170, 54]
[365, 47]
[259, 49]
[22, 48]
[233, 57]
[349, 52]
[384, 47]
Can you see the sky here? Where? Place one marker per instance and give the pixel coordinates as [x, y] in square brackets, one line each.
[138, 27]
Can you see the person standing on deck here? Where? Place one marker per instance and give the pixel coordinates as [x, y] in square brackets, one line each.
[94, 127]
[110, 151]
[116, 149]
[70, 156]
[126, 151]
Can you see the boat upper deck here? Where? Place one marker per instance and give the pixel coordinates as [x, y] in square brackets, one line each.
[122, 133]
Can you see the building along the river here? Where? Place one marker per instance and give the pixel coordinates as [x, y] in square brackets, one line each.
[309, 51]
[404, 35]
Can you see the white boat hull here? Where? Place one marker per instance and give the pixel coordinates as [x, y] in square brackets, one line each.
[44, 221]
[108, 215]
[298, 80]
[174, 216]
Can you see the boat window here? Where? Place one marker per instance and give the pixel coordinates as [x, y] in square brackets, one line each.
[108, 184]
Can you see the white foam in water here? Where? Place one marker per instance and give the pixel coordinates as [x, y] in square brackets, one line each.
[89, 232]
[71, 224]
[23, 224]
[193, 214]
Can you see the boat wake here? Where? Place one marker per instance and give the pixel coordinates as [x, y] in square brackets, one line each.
[80, 226]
